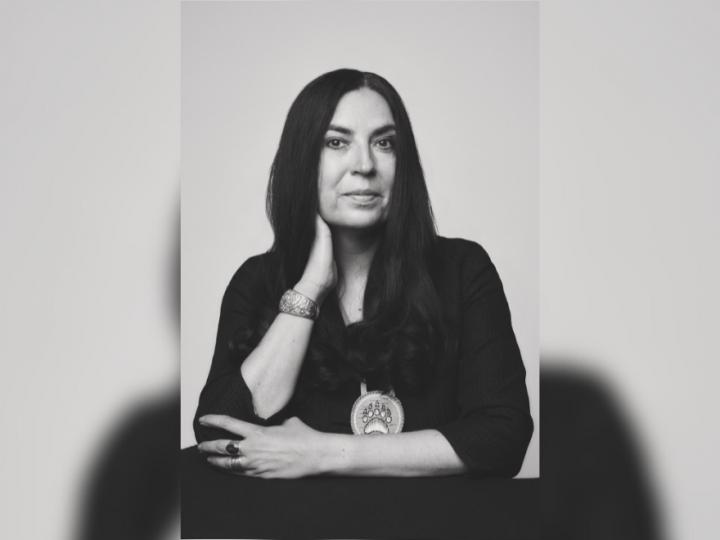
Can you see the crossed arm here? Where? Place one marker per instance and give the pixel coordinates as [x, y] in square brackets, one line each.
[294, 450]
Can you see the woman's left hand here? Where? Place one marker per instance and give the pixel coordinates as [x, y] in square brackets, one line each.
[291, 450]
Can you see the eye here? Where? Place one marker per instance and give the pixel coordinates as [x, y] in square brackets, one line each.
[335, 143]
[386, 143]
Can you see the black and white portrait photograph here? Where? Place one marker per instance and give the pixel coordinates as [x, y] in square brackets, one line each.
[359, 257]
[359, 269]
[341, 269]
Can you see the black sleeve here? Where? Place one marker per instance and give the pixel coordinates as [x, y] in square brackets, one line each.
[494, 426]
[225, 391]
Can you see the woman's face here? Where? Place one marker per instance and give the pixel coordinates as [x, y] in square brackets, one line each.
[357, 162]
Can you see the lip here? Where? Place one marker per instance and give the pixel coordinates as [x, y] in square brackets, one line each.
[362, 192]
[363, 197]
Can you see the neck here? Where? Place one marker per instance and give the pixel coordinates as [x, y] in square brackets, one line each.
[354, 251]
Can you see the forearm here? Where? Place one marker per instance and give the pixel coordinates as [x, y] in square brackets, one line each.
[416, 453]
[272, 369]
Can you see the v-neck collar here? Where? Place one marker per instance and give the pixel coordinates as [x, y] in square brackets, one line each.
[332, 307]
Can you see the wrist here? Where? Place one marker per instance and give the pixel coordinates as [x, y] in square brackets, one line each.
[312, 290]
[334, 453]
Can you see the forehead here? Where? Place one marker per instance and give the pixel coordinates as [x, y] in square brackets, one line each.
[362, 109]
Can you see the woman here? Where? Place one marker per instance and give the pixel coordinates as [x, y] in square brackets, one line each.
[360, 319]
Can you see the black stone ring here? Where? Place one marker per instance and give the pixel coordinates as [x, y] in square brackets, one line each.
[233, 448]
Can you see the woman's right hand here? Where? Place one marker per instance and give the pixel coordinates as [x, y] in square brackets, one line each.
[320, 274]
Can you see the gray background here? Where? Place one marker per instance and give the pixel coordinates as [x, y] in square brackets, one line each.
[90, 103]
[468, 74]
[89, 195]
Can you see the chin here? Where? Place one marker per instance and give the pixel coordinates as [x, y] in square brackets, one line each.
[357, 222]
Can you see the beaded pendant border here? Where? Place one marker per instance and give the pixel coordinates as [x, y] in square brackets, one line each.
[376, 413]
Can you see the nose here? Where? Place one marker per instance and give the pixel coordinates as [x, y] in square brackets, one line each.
[364, 163]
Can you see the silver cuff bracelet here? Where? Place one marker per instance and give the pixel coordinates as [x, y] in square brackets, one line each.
[294, 303]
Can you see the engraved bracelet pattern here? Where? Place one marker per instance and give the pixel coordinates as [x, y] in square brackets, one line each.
[294, 303]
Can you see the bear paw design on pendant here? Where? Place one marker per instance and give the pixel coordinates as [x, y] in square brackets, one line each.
[375, 413]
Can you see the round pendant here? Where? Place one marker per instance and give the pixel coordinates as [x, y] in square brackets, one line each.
[375, 413]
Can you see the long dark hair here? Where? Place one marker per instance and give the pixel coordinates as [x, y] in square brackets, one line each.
[401, 330]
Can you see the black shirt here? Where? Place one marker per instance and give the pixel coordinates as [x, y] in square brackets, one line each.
[477, 399]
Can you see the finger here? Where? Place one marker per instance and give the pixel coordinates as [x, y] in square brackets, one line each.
[257, 469]
[228, 423]
[232, 464]
[224, 447]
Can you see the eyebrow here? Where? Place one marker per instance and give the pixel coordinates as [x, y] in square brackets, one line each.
[375, 132]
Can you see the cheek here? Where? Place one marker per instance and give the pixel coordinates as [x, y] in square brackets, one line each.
[386, 169]
[326, 202]
[332, 165]
[327, 180]
[330, 171]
